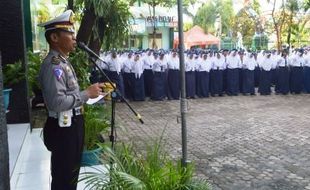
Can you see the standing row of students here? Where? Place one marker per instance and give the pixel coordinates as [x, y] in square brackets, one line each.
[156, 74]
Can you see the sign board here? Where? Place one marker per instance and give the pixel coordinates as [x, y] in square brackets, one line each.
[165, 21]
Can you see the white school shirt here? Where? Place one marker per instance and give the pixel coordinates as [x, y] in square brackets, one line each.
[281, 62]
[190, 64]
[218, 64]
[173, 62]
[266, 64]
[233, 62]
[148, 61]
[138, 68]
[249, 63]
[204, 65]
[128, 65]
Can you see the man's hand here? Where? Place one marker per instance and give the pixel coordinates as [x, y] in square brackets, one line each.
[95, 90]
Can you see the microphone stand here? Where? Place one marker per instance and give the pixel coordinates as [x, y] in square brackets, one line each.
[115, 93]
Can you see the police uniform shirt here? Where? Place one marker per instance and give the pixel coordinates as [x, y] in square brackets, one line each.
[59, 84]
[173, 62]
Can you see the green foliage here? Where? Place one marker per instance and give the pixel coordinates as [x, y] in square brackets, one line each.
[209, 12]
[152, 171]
[111, 24]
[79, 61]
[34, 64]
[12, 74]
[246, 26]
[96, 122]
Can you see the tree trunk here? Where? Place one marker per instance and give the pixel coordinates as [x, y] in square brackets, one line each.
[94, 44]
[289, 32]
[4, 149]
[86, 27]
[70, 5]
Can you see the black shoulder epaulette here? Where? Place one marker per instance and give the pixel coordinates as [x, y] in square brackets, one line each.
[55, 60]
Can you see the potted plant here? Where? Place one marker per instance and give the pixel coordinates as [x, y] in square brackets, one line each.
[34, 64]
[154, 169]
[97, 122]
[12, 74]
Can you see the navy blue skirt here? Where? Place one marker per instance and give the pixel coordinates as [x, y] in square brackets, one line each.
[118, 80]
[248, 85]
[139, 92]
[202, 81]
[264, 83]
[190, 84]
[148, 82]
[173, 84]
[232, 82]
[129, 79]
[307, 79]
[216, 82]
[159, 86]
[256, 76]
[296, 80]
[283, 80]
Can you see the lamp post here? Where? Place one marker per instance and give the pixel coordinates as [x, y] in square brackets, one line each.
[183, 95]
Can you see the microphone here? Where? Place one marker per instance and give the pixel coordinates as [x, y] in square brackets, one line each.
[84, 47]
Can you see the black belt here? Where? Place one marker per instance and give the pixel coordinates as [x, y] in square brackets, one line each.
[75, 111]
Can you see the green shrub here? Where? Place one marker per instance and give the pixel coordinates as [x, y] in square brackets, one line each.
[154, 170]
[96, 122]
[12, 74]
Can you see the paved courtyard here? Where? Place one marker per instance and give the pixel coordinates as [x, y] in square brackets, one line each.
[260, 142]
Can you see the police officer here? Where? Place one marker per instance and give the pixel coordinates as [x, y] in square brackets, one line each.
[64, 128]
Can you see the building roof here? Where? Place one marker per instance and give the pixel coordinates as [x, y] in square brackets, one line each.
[197, 37]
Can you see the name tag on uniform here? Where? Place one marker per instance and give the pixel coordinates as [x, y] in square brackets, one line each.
[65, 118]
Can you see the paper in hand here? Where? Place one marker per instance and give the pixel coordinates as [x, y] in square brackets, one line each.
[91, 101]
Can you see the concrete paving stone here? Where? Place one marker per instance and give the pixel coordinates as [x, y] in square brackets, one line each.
[255, 143]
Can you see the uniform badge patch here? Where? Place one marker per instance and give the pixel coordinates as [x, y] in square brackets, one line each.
[58, 73]
[68, 69]
[55, 60]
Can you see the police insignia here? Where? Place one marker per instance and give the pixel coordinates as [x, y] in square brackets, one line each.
[58, 73]
[55, 60]
[68, 69]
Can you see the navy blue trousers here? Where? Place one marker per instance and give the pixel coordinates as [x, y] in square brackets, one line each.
[248, 83]
[202, 82]
[296, 80]
[148, 82]
[283, 80]
[139, 92]
[159, 86]
[265, 83]
[190, 84]
[307, 79]
[216, 82]
[173, 84]
[232, 82]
